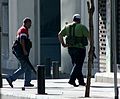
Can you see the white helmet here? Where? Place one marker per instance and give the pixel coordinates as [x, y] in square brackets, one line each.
[76, 16]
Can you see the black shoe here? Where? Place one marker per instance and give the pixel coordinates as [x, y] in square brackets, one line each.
[9, 81]
[29, 85]
[73, 83]
[82, 84]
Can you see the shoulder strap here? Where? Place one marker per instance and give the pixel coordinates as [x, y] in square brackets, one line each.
[74, 29]
[81, 30]
[70, 29]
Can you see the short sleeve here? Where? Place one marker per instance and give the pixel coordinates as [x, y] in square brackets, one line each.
[63, 32]
[23, 33]
[23, 36]
[85, 31]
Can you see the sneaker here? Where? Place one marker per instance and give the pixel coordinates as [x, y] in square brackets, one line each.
[9, 81]
[29, 85]
[73, 83]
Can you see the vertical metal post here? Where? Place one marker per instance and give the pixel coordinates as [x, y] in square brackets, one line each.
[41, 79]
[55, 65]
[114, 33]
[0, 62]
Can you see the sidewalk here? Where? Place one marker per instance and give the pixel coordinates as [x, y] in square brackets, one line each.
[57, 89]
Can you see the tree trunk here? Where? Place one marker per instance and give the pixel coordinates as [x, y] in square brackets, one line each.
[91, 8]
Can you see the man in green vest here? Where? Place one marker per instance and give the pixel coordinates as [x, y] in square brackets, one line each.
[76, 41]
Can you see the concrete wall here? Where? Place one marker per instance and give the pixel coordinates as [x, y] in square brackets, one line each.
[13, 25]
[108, 38]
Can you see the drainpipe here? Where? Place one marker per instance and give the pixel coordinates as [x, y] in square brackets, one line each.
[113, 34]
[0, 63]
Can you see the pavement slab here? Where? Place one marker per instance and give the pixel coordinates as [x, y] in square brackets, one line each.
[56, 89]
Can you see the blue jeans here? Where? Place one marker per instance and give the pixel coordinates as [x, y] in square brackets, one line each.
[24, 68]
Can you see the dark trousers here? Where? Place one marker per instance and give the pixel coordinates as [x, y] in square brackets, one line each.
[77, 57]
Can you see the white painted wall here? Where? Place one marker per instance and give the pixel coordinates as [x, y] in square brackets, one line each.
[13, 25]
[108, 38]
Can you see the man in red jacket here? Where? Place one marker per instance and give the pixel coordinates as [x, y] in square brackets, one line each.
[22, 54]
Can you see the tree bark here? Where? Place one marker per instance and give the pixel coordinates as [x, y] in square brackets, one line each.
[90, 5]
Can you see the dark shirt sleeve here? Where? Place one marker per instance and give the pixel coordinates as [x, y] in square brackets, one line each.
[23, 36]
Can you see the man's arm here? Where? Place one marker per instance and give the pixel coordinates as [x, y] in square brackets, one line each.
[61, 40]
[23, 47]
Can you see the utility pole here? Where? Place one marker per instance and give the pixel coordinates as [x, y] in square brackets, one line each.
[0, 44]
[0, 63]
[91, 8]
[114, 38]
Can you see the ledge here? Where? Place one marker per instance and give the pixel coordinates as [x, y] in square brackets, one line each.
[106, 77]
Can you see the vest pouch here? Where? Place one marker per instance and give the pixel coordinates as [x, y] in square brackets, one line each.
[71, 40]
[84, 41]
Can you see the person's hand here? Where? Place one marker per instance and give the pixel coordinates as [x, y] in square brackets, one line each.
[64, 45]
